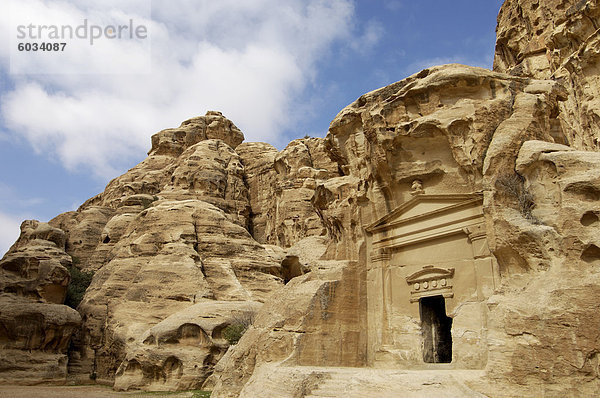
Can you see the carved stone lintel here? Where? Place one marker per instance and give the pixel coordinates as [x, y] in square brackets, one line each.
[430, 281]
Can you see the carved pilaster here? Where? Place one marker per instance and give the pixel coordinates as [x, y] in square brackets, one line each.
[379, 255]
[478, 238]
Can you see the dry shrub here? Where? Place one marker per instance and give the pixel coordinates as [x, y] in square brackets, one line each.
[241, 321]
[513, 186]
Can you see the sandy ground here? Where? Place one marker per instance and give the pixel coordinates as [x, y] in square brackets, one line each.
[93, 391]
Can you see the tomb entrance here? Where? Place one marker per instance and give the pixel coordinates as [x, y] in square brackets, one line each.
[429, 272]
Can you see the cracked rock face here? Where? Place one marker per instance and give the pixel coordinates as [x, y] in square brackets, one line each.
[282, 186]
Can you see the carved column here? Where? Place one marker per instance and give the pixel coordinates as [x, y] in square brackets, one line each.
[382, 257]
[486, 270]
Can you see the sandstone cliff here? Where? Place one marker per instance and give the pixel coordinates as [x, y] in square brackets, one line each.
[207, 228]
[35, 328]
[556, 40]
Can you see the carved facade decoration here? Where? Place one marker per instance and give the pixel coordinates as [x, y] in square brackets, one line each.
[417, 188]
[431, 247]
[430, 281]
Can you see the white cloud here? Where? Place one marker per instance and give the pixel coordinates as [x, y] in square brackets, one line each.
[371, 36]
[249, 59]
[393, 5]
[9, 231]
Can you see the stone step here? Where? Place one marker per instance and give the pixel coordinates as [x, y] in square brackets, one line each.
[323, 382]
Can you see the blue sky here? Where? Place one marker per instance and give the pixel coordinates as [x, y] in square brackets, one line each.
[280, 69]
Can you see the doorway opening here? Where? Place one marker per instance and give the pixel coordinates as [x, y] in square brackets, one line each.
[436, 329]
[290, 268]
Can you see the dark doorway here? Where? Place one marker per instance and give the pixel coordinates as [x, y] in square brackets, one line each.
[436, 329]
[290, 268]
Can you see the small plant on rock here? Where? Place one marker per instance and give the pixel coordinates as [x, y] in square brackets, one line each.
[513, 186]
[241, 322]
[80, 281]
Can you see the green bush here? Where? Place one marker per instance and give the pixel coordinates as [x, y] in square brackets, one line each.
[233, 333]
[78, 284]
[241, 322]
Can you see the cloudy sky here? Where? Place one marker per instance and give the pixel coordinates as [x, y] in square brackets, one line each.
[280, 69]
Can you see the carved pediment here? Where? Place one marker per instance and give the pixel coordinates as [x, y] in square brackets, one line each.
[424, 206]
[431, 281]
[429, 272]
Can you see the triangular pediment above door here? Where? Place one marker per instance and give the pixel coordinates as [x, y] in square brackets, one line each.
[424, 207]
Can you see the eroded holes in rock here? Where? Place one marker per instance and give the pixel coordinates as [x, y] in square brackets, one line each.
[192, 334]
[12, 266]
[106, 239]
[213, 357]
[173, 368]
[4, 336]
[584, 190]
[589, 218]
[290, 268]
[591, 254]
[133, 367]
[436, 329]
[217, 332]
[150, 340]
[423, 74]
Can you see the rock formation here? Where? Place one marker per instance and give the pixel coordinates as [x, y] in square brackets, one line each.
[173, 259]
[556, 40]
[447, 221]
[35, 328]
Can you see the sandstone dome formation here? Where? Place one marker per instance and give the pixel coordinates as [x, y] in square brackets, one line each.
[442, 239]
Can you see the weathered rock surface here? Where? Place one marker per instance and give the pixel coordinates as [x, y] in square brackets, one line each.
[457, 129]
[211, 126]
[169, 240]
[207, 227]
[35, 328]
[317, 323]
[447, 128]
[545, 316]
[317, 382]
[557, 40]
[282, 186]
[182, 349]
